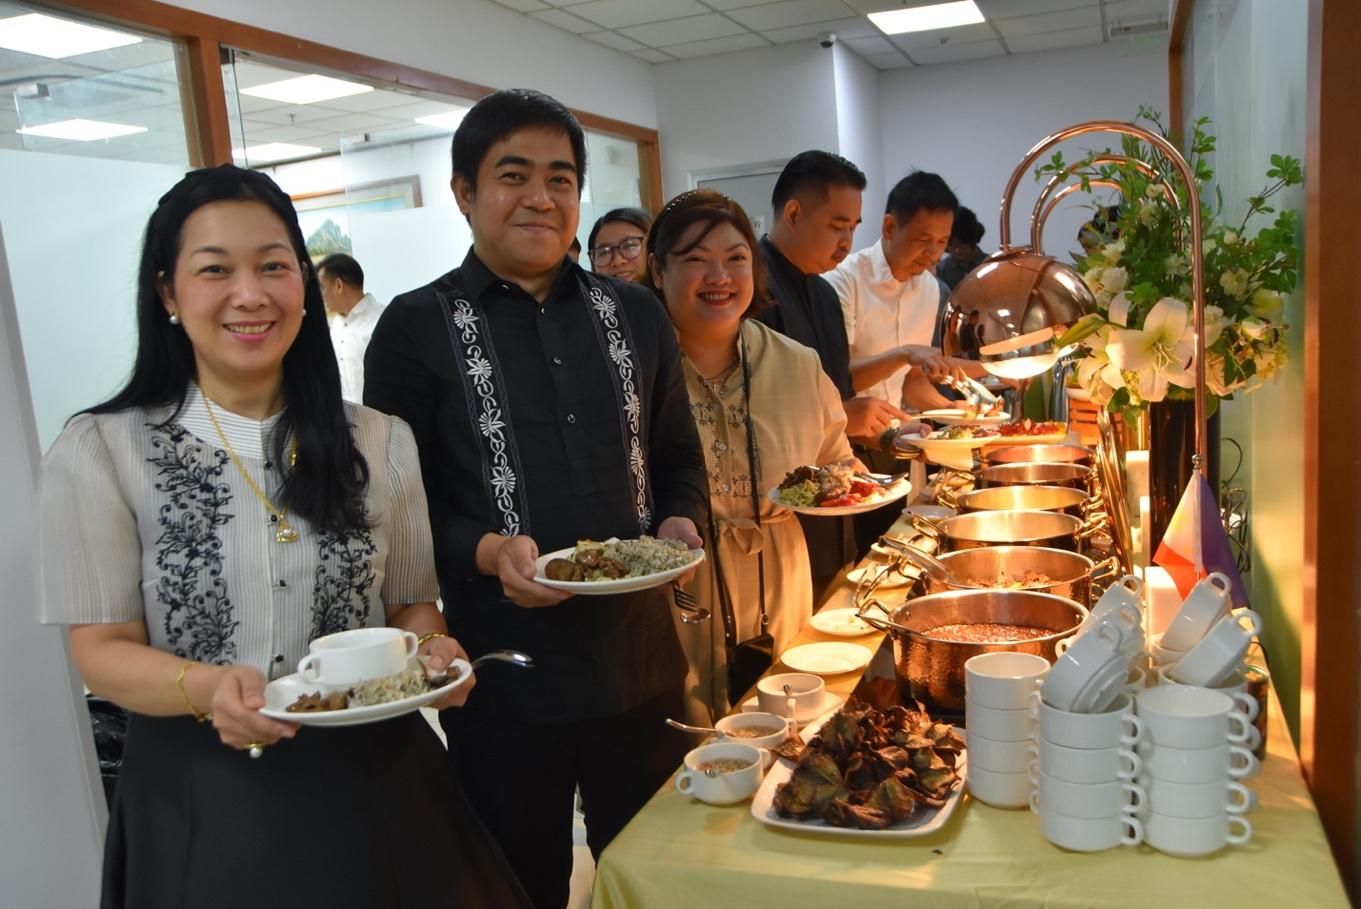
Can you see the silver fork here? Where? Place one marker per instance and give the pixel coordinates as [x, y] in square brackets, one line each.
[691, 612]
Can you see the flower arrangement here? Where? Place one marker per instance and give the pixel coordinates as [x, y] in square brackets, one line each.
[1138, 348]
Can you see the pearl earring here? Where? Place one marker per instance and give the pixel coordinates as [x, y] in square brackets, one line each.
[174, 319]
[304, 310]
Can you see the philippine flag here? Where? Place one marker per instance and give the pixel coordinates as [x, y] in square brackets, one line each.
[1195, 543]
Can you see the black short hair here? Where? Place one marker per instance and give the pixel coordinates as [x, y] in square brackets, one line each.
[917, 191]
[501, 113]
[814, 170]
[576, 245]
[339, 265]
[966, 228]
[635, 216]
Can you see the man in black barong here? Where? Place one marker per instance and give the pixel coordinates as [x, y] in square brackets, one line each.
[549, 406]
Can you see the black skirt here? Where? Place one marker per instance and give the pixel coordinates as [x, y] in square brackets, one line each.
[363, 816]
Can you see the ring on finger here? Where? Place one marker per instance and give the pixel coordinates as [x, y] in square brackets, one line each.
[254, 749]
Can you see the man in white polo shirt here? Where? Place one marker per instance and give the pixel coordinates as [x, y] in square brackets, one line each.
[353, 316]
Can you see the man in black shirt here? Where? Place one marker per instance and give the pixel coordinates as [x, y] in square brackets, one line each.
[549, 406]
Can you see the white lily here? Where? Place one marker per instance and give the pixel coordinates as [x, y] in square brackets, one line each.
[1095, 372]
[1118, 313]
[1157, 355]
[1114, 280]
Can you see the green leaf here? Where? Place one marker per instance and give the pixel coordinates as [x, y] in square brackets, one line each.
[1085, 327]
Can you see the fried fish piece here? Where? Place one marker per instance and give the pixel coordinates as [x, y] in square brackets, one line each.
[841, 813]
[893, 799]
[791, 749]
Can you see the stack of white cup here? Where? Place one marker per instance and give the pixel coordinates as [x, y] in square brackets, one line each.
[1205, 644]
[998, 724]
[1197, 748]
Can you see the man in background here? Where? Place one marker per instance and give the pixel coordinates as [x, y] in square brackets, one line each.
[353, 315]
[962, 254]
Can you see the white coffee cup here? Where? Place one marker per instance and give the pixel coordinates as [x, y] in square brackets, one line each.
[783, 725]
[1160, 655]
[1000, 790]
[1085, 834]
[354, 656]
[998, 725]
[1198, 765]
[1088, 674]
[727, 787]
[805, 698]
[1085, 799]
[1084, 765]
[1206, 604]
[1236, 682]
[1128, 591]
[1001, 757]
[1116, 725]
[1003, 680]
[1189, 837]
[1136, 680]
[1185, 717]
[1220, 652]
[1197, 799]
[1126, 615]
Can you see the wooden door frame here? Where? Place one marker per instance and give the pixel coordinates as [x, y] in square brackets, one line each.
[205, 35]
[1330, 642]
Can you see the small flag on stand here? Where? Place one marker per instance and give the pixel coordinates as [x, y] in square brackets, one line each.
[1195, 543]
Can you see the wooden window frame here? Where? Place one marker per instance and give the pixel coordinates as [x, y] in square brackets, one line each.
[204, 36]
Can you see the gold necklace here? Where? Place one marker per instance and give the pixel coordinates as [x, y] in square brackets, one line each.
[285, 532]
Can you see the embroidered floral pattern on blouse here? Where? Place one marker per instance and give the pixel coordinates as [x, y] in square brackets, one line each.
[200, 621]
[721, 418]
[340, 596]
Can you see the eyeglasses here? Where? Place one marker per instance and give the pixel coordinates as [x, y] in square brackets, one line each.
[628, 249]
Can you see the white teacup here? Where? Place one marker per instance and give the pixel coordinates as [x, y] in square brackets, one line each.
[740, 727]
[1181, 716]
[1197, 765]
[1234, 683]
[1206, 604]
[1090, 672]
[804, 701]
[1084, 765]
[1000, 757]
[1085, 834]
[1114, 726]
[1189, 837]
[1003, 680]
[1197, 799]
[357, 655]
[1087, 800]
[998, 725]
[1128, 591]
[1136, 680]
[1000, 790]
[1220, 653]
[1160, 655]
[728, 786]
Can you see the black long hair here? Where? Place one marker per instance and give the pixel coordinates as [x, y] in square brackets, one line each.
[327, 485]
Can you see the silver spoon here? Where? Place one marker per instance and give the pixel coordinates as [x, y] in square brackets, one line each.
[702, 730]
[513, 657]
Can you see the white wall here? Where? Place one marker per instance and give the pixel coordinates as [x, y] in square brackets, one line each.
[859, 136]
[469, 39]
[973, 122]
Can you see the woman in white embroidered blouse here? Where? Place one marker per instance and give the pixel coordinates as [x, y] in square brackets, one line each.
[198, 530]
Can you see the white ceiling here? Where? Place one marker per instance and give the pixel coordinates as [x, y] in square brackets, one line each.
[661, 30]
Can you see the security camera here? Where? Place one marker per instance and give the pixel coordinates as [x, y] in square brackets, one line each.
[827, 39]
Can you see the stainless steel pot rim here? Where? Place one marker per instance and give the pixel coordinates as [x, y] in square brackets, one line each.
[1023, 553]
[898, 614]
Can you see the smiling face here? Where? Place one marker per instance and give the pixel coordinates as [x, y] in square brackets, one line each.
[524, 209]
[916, 245]
[709, 286]
[618, 265]
[237, 288]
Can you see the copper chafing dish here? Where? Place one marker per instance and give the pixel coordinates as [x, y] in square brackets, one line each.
[1043, 454]
[1020, 498]
[1003, 528]
[1035, 473]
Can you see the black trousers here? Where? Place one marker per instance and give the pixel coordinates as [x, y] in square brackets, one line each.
[521, 778]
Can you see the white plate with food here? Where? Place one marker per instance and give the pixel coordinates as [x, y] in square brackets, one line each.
[962, 417]
[827, 658]
[920, 814]
[842, 623]
[951, 445]
[315, 704]
[836, 490]
[615, 566]
[894, 579]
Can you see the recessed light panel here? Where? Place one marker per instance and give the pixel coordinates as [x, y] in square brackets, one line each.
[81, 130]
[48, 36]
[307, 89]
[927, 18]
[274, 151]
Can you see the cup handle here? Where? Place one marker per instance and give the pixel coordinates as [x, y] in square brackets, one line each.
[309, 667]
[683, 782]
[1247, 799]
[1254, 625]
[1138, 797]
[1250, 705]
[1062, 644]
[1035, 698]
[1136, 830]
[1249, 766]
[1033, 771]
[1133, 583]
[766, 759]
[1133, 617]
[1137, 725]
[1238, 839]
[1219, 580]
[1035, 801]
[1245, 729]
[1136, 764]
[413, 643]
[1105, 630]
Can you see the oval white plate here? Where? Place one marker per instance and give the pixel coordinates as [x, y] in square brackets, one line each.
[282, 692]
[891, 494]
[844, 623]
[856, 575]
[619, 585]
[827, 658]
[958, 418]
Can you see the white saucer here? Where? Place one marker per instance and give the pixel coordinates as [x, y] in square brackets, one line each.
[894, 579]
[843, 623]
[827, 658]
[830, 701]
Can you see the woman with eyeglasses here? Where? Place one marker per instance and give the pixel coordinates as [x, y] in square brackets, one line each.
[616, 244]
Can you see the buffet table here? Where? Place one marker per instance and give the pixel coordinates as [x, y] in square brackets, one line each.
[684, 853]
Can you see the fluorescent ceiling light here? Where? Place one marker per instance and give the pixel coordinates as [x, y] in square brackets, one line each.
[47, 36]
[307, 89]
[274, 151]
[927, 18]
[450, 119]
[81, 130]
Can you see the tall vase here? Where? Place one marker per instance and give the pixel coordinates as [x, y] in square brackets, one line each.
[1172, 442]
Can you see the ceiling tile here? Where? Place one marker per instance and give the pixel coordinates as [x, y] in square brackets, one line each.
[566, 21]
[358, 123]
[653, 56]
[869, 47]
[684, 31]
[888, 61]
[844, 28]
[523, 6]
[954, 53]
[736, 4]
[614, 40]
[416, 109]
[1071, 37]
[745, 41]
[1049, 22]
[789, 13]
[375, 100]
[963, 34]
[290, 114]
[1010, 8]
[1136, 10]
[621, 13]
[294, 134]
